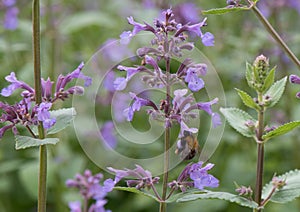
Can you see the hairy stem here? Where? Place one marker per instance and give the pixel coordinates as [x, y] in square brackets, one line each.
[275, 35]
[42, 182]
[163, 205]
[260, 154]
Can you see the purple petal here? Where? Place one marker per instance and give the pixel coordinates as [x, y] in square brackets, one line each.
[120, 83]
[208, 39]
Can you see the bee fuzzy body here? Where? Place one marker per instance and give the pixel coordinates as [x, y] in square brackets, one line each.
[187, 146]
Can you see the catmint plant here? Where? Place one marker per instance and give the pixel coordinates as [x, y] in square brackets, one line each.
[170, 40]
[90, 189]
[261, 79]
[33, 110]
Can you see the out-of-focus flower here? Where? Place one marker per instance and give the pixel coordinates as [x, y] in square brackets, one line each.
[11, 15]
[142, 178]
[107, 132]
[186, 13]
[90, 188]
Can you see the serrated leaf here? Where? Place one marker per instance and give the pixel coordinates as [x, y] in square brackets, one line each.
[281, 130]
[134, 190]
[269, 80]
[249, 76]
[63, 118]
[288, 192]
[275, 91]
[23, 142]
[247, 99]
[237, 119]
[224, 10]
[219, 195]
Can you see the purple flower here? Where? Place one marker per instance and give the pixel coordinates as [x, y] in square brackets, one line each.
[208, 39]
[11, 18]
[115, 52]
[47, 89]
[107, 132]
[15, 84]
[206, 106]
[75, 206]
[137, 27]
[136, 106]
[296, 80]
[142, 178]
[187, 13]
[126, 37]
[90, 188]
[200, 176]
[120, 83]
[43, 115]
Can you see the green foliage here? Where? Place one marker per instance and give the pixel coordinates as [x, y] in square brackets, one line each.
[269, 80]
[288, 192]
[79, 21]
[224, 10]
[275, 91]
[238, 119]
[63, 117]
[134, 190]
[23, 142]
[219, 195]
[281, 130]
[247, 99]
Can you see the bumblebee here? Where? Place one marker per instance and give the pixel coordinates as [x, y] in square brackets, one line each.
[187, 146]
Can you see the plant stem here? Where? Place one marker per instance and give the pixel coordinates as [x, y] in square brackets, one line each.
[163, 206]
[275, 35]
[42, 182]
[260, 154]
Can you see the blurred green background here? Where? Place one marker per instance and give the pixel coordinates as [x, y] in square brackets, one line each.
[72, 31]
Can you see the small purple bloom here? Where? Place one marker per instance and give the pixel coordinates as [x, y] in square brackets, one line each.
[187, 13]
[126, 37]
[143, 178]
[200, 176]
[43, 115]
[75, 206]
[90, 188]
[294, 79]
[208, 39]
[47, 89]
[136, 106]
[15, 84]
[216, 119]
[206, 106]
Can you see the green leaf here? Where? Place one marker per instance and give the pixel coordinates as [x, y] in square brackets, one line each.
[63, 118]
[281, 130]
[23, 142]
[224, 10]
[269, 80]
[249, 76]
[80, 21]
[275, 91]
[134, 190]
[219, 195]
[237, 119]
[247, 99]
[288, 192]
